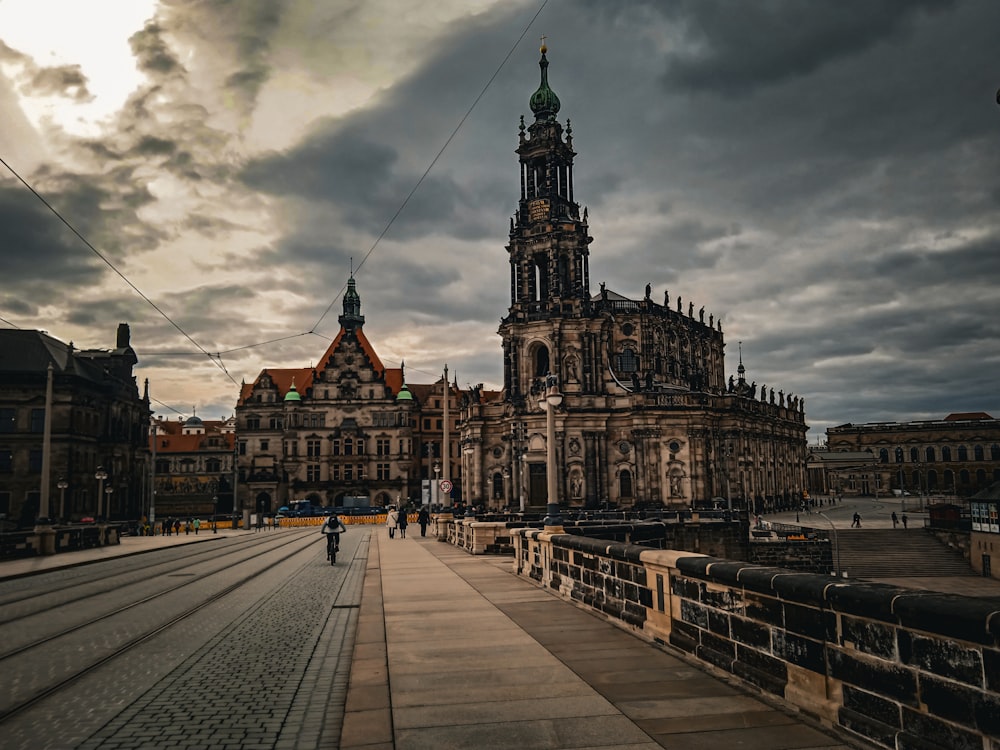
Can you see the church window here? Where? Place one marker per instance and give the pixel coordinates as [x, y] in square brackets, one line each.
[978, 452]
[541, 362]
[914, 454]
[883, 456]
[625, 483]
[541, 279]
[946, 453]
[963, 455]
[564, 282]
[929, 453]
[627, 360]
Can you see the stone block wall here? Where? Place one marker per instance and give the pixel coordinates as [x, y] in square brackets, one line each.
[898, 667]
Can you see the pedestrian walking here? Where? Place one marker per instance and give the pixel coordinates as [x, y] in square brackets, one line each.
[895, 519]
[197, 525]
[904, 519]
[423, 518]
[177, 527]
[391, 520]
[402, 523]
[856, 523]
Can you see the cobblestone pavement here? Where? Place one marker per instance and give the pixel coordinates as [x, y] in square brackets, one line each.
[264, 667]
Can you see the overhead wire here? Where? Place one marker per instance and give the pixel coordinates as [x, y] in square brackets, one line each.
[216, 358]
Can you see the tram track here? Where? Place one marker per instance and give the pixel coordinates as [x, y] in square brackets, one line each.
[99, 583]
[298, 545]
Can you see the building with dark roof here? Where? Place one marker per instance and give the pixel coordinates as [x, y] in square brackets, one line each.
[99, 420]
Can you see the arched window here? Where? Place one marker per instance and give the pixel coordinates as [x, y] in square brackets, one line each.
[627, 360]
[949, 478]
[946, 453]
[497, 486]
[963, 453]
[978, 452]
[931, 480]
[541, 279]
[995, 452]
[563, 270]
[625, 483]
[915, 479]
[899, 455]
[883, 455]
[541, 362]
[929, 453]
[963, 476]
[914, 454]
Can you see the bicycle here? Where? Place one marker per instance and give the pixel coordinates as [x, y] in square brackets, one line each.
[332, 546]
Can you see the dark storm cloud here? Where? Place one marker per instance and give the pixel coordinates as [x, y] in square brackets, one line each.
[733, 48]
[152, 52]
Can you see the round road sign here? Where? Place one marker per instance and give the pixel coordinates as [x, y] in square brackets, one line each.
[445, 485]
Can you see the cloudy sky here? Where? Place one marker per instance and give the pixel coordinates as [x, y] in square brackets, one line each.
[822, 175]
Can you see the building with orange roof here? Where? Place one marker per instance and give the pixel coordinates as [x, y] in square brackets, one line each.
[345, 432]
[193, 460]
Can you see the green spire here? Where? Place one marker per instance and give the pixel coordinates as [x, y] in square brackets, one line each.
[544, 102]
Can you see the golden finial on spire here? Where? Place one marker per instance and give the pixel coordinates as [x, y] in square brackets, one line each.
[543, 49]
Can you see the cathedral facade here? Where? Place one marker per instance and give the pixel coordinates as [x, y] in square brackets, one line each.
[647, 418]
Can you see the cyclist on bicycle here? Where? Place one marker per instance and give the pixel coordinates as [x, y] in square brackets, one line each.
[332, 528]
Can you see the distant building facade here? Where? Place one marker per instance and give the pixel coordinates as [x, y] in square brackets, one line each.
[958, 455]
[194, 464]
[647, 415]
[347, 431]
[99, 421]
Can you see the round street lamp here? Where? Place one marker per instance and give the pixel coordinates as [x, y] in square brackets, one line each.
[436, 494]
[107, 505]
[100, 475]
[550, 402]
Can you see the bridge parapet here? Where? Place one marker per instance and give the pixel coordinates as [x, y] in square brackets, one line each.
[898, 667]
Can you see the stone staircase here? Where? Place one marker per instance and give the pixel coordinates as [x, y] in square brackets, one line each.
[892, 553]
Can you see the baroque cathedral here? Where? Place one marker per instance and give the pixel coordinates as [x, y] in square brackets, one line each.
[647, 417]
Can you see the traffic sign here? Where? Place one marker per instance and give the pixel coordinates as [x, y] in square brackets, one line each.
[445, 486]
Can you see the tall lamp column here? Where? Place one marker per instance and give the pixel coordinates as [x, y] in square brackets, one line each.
[550, 402]
[62, 484]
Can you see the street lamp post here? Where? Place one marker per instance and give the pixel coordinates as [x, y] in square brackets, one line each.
[107, 505]
[436, 490]
[100, 475]
[506, 487]
[470, 511]
[62, 484]
[215, 512]
[552, 399]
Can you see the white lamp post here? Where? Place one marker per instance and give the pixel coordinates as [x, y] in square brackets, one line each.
[100, 475]
[107, 505]
[550, 402]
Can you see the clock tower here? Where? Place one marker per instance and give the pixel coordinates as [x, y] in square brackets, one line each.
[548, 244]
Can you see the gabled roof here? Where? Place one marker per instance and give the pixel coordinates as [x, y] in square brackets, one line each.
[366, 347]
[192, 443]
[32, 351]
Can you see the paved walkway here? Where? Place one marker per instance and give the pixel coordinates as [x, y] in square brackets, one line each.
[453, 651]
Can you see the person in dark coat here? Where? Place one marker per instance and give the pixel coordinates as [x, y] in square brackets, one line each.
[402, 523]
[423, 518]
